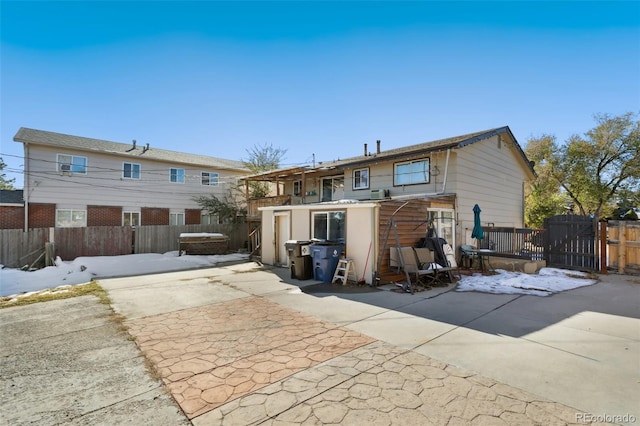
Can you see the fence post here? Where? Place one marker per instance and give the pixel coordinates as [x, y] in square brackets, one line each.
[603, 247]
[622, 246]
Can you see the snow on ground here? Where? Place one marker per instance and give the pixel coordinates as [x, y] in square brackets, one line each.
[84, 269]
[544, 283]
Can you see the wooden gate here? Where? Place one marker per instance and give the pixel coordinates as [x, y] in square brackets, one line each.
[571, 243]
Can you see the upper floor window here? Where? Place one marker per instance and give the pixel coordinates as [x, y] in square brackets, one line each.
[411, 172]
[361, 179]
[67, 218]
[131, 171]
[210, 179]
[72, 163]
[297, 188]
[176, 175]
[333, 188]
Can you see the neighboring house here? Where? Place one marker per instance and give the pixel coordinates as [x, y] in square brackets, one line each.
[72, 181]
[434, 184]
[11, 209]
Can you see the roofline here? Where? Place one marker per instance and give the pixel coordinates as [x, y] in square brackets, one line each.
[418, 149]
[16, 138]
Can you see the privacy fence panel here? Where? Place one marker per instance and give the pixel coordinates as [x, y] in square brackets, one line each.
[164, 238]
[571, 242]
[19, 248]
[93, 241]
[623, 242]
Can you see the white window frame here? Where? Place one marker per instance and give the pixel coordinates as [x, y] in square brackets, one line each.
[132, 170]
[209, 175]
[328, 231]
[131, 214]
[176, 218]
[297, 188]
[209, 219]
[415, 175]
[335, 188]
[176, 177]
[446, 219]
[358, 178]
[72, 223]
[72, 162]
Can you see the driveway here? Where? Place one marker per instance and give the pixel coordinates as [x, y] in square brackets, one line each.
[245, 344]
[580, 348]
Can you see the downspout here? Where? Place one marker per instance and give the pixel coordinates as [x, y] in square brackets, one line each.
[446, 168]
[25, 185]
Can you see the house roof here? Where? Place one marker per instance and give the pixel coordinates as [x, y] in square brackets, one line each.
[41, 137]
[455, 142]
[11, 196]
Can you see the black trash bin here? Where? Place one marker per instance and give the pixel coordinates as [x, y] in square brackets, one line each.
[299, 259]
[325, 259]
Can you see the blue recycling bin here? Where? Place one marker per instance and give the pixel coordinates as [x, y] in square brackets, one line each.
[325, 260]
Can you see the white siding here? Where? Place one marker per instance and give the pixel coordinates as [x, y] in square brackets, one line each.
[490, 174]
[104, 184]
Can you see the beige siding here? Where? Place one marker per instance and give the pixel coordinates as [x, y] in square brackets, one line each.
[104, 183]
[359, 228]
[491, 174]
[381, 177]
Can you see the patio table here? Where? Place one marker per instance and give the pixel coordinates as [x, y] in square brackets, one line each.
[483, 257]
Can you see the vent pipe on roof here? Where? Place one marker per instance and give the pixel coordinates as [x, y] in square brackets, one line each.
[134, 144]
[145, 149]
[378, 147]
[365, 149]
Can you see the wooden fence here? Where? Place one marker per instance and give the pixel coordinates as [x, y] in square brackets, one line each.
[19, 248]
[623, 246]
[164, 238]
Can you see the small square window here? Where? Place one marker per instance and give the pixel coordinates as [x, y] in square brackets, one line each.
[176, 175]
[131, 171]
[209, 178]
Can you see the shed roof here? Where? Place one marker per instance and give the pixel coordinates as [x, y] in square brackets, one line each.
[41, 137]
[11, 196]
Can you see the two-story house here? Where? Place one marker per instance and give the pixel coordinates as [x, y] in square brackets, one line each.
[428, 187]
[73, 181]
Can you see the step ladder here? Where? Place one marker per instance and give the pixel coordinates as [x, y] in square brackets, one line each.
[345, 268]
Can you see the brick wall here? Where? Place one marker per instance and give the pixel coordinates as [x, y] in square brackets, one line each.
[42, 215]
[104, 216]
[11, 217]
[192, 216]
[154, 216]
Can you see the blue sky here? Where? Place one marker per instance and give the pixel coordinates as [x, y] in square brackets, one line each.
[318, 79]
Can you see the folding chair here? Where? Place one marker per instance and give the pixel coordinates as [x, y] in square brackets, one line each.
[426, 259]
[422, 277]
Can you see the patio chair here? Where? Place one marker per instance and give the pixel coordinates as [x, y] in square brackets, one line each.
[426, 260]
[411, 266]
[467, 255]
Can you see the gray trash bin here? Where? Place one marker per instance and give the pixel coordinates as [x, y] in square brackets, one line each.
[299, 259]
[325, 259]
